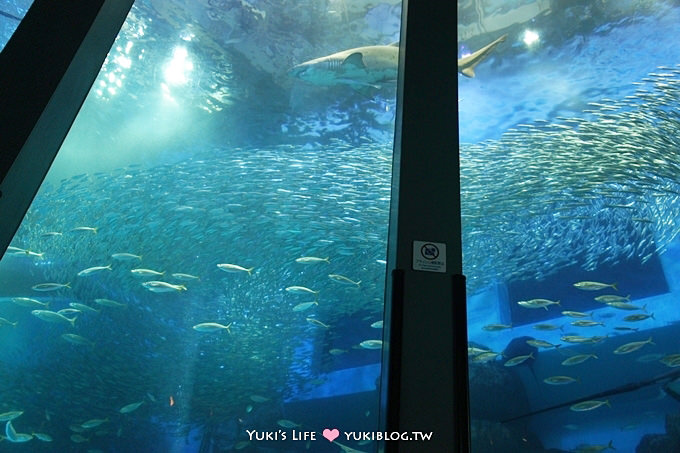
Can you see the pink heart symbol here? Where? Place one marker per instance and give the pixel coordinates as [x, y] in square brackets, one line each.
[331, 434]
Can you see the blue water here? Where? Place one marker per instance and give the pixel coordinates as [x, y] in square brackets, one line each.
[257, 208]
[554, 83]
[195, 149]
[558, 78]
[11, 13]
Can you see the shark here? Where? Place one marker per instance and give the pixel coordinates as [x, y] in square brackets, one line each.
[372, 65]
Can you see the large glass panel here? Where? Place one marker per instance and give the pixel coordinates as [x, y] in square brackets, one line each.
[203, 268]
[570, 166]
[11, 13]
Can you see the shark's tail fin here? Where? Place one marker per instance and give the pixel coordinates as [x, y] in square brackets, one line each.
[467, 64]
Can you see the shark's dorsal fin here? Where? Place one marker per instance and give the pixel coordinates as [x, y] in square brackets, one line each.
[355, 59]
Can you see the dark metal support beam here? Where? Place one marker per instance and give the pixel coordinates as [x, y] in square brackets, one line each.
[46, 71]
[430, 394]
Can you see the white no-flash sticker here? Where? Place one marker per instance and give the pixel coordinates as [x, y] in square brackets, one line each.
[429, 256]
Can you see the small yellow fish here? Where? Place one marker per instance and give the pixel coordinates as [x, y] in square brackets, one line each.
[546, 327]
[301, 290]
[14, 436]
[28, 302]
[316, 322]
[671, 360]
[628, 329]
[632, 347]
[126, 257]
[287, 424]
[342, 279]
[626, 306]
[371, 344]
[537, 303]
[52, 316]
[559, 380]
[304, 306]
[519, 359]
[185, 277]
[85, 229]
[542, 344]
[16, 251]
[496, 327]
[647, 358]
[77, 339]
[588, 405]
[77, 438]
[312, 260]
[130, 407]
[486, 357]
[575, 360]
[607, 298]
[575, 314]
[92, 270]
[585, 323]
[11, 415]
[44, 437]
[211, 327]
[93, 423]
[146, 273]
[50, 286]
[163, 287]
[82, 307]
[5, 322]
[580, 339]
[107, 303]
[639, 317]
[235, 268]
[594, 286]
[76, 428]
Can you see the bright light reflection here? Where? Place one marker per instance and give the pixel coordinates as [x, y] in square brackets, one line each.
[530, 37]
[123, 62]
[176, 71]
[165, 89]
[187, 36]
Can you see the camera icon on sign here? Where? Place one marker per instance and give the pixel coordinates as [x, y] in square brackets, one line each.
[429, 251]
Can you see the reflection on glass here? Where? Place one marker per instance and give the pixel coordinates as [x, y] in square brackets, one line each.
[570, 162]
[11, 13]
[203, 268]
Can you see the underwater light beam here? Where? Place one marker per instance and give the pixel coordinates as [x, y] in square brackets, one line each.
[530, 38]
[177, 70]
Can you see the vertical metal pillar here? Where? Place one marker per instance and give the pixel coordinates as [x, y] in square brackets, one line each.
[427, 352]
[46, 71]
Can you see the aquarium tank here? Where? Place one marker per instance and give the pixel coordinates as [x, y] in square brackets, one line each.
[204, 267]
[570, 159]
[11, 13]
